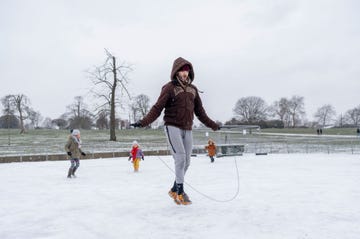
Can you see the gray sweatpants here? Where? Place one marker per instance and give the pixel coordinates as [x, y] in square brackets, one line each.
[180, 143]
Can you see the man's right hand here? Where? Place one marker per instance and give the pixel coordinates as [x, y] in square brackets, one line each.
[136, 125]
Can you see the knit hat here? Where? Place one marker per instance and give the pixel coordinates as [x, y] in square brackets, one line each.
[75, 132]
[185, 68]
[135, 143]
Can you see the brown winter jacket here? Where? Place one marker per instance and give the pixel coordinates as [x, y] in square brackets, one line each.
[211, 148]
[73, 146]
[180, 102]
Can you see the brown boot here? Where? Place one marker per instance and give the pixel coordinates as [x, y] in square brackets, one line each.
[173, 196]
[182, 199]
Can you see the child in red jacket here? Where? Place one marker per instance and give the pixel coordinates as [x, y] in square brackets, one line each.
[136, 154]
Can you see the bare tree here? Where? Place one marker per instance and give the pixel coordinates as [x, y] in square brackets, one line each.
[102, 121]
[9, 122]
[140, 106]
[281, 109]
[60, 123]
[19, 103]
[296, 109]
[78, 114]
[325, 114]
[34, 117]
[340, 121]
[8, 106]
[47, 123]
[353, 116]
[251, 109]
[108, 79]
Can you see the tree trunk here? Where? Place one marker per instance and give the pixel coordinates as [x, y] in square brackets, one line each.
[112, 104]
[18, 105]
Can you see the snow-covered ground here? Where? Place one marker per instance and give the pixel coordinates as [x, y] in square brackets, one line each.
[292, 196]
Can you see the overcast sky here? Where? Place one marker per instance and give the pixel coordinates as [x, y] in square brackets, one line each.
[265, 48]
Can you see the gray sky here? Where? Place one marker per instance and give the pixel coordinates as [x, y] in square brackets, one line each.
[265, 48]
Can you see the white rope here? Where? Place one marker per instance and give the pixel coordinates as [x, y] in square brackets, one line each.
[207, 196]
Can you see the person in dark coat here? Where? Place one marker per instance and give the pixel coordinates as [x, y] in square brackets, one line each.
[181, 101]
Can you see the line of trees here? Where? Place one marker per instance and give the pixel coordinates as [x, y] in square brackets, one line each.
[284, 113]
[16, 115]
[290, 113]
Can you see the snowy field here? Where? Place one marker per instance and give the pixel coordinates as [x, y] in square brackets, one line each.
[296, 196]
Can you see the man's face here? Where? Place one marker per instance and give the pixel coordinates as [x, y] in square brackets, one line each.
[183, 76]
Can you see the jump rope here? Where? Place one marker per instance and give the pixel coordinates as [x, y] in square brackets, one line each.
[207, 196]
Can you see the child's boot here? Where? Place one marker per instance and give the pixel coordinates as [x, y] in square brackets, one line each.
[69, 173]
[73, 172]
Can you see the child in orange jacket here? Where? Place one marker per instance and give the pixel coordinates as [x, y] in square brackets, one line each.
[211, 148]
[136, 154]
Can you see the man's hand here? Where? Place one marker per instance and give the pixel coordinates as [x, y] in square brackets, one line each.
[217, 127]
[136, 125]
[69, 153]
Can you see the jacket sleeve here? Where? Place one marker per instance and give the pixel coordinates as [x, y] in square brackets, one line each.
[201, 114]
[155, 111]
[67, 145]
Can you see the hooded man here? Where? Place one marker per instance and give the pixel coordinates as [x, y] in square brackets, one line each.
[181, 101]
